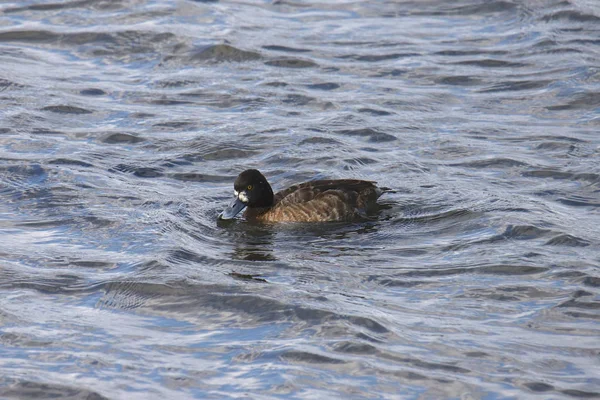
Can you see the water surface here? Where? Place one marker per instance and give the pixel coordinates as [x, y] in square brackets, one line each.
[124, 123]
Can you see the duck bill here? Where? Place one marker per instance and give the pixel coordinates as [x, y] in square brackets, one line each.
[234, 209]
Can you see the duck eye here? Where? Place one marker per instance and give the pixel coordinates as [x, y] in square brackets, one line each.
[249, 187]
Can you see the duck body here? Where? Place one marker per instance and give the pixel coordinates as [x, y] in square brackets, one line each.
[315, 201]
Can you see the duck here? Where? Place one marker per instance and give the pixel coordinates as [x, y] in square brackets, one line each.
[314, 201]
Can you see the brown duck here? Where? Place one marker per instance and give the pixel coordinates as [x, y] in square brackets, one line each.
[316, 201]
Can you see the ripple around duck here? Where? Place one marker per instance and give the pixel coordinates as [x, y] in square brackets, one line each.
[581, 303]
[459, 80]
[492, 162]
[175, 125]
[113, 43]
[324, 86]
[570, 15]
[497, 6]
[592, 281]
[520, 232]
[92, 92]
[374, 112]
[579, 201]
[286, 49]
[319, 140]
[558, 174]
[579, 101]
[139, 171]
[26, 389]
[291, 63]
[66, 109]
[6, 84]
[23, 176]
[46, 131]
[69, 161]
[492, 63]
[511, 86]
[567, 240]
[296, 356]
[59, 6]
[177, 297]
[431, 216]
[28, 36]
[542, 387]
[120, 138]
[379, 57]
[508, 294]
[48, 285]
[298, 99]
[500, 269]
[372, 135]
[196, 177]
[222, 53]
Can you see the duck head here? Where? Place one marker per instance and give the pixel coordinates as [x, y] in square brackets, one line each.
[250, 189]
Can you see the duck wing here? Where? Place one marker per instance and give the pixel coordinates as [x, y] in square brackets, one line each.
[308, 191]
[327, 200]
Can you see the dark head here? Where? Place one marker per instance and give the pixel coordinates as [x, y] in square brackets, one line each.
[250, 189]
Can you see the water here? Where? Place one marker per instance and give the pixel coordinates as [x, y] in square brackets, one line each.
[124, 123]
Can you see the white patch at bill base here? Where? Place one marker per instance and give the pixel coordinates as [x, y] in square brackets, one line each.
[243, 196]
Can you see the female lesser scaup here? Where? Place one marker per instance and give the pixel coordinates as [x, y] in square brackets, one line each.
[316, 201]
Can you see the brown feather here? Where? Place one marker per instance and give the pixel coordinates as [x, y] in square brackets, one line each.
[319, 201]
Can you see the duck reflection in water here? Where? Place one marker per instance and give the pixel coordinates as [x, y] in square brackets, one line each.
[254, 243]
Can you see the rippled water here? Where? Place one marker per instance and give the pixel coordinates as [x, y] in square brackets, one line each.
[124, 123]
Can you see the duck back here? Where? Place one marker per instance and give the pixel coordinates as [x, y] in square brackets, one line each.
[320, 201]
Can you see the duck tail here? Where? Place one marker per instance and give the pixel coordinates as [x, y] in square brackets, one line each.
[381, 190]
